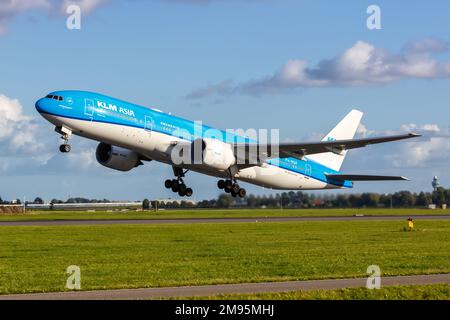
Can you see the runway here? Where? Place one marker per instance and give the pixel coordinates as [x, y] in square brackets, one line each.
[242, 288]
[217, 220]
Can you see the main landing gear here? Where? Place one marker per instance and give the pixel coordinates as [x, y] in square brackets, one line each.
[232, 187]
[177, 185]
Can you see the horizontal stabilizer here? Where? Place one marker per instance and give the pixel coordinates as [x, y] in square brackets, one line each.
[363, 177]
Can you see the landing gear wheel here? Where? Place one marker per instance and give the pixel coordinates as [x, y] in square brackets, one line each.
[177, 185]
[242, 192]
[233, 194]
[221, 184]
[64, 148]
[236, 188]
[168, 183]
[182, 188]
[228, 185]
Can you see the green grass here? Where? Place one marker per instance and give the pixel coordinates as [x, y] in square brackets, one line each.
[427, 292]
[34, 259]
[208, 213]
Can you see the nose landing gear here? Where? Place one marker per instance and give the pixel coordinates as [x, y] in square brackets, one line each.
[65, 134]
[232, 187]
[64, 148]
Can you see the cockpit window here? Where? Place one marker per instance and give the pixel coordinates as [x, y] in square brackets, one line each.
[50, 96]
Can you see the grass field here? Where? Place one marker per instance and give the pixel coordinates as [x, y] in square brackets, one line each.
[208, 213]
[34, 259]
[429, 292]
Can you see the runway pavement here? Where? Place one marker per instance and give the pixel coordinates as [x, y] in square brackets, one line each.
[243, 288]
[217, 220]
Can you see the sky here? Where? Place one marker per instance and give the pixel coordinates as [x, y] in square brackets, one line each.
[297, 66]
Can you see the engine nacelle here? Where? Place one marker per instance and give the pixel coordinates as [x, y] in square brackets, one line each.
[212, 153]
[116, 158]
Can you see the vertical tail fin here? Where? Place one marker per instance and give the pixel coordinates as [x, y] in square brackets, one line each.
[345, 129]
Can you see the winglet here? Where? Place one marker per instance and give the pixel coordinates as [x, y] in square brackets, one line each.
[414, 135]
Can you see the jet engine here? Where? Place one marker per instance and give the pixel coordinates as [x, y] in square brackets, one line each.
[212, 153]
[117, 158]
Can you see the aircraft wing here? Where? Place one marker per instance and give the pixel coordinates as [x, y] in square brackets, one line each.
[363, 177]
[299, 150]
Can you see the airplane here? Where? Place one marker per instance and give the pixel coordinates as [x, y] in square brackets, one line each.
[130, 134]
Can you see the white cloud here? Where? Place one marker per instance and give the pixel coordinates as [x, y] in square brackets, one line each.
[360, 65]
[82, 159]
[29, 147]
[21, 140]
[16, 129]
[87, 6]
[222, 88]
[209, 1]
[426, 46]
[427, 128]
[433, 147]
[11, 8]
[16, 6]
[363, 131]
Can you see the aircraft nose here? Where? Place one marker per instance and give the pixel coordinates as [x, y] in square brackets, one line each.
[40, 105]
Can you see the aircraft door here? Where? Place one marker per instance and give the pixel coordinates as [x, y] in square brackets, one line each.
[308, 170]
[148, 123]
[89, 108]
[147, 132]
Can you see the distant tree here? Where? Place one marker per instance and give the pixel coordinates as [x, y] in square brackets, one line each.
[251, 201]
[403, 199]
[285, 200]
[224, 201]
[38, 200]
[369, 199]
[145, 204]
[438, 196]
[80, 200]
[355, 200]
[182, 204]
[423, 199]
[18, 201]
[385, 200]
[446, 195]
[1, 200]
[341, 201]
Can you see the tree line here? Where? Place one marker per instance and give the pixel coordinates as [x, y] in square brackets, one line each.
[39, 200]
[292, 199]
[299, 199]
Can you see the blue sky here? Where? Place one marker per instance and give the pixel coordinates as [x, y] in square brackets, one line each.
[231, 64]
